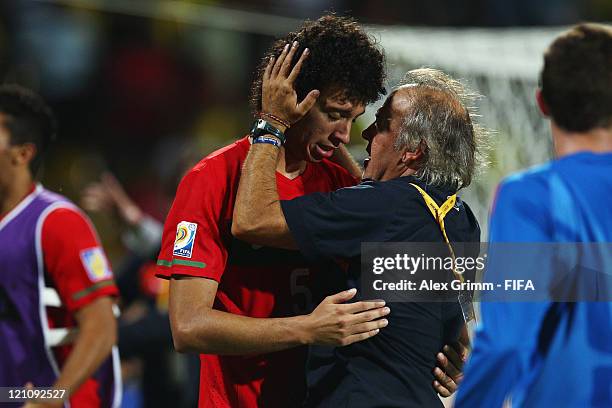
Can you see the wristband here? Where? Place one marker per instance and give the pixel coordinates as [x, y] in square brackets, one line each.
[267, 139]
[261, 128]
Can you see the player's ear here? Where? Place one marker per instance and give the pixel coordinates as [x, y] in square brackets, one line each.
[24, 154]
[542, 103]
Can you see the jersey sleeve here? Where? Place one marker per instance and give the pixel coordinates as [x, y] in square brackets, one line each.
[506, 341]
[192, 241]
[333, 225]
[74, 259]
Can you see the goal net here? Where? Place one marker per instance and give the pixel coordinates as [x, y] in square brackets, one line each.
[503, 65]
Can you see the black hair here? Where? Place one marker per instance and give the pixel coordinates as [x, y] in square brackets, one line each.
[576, 79]
[29, 120]
[341, 56]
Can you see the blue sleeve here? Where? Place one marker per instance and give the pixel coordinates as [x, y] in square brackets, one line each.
[332, 225]
[505, 344]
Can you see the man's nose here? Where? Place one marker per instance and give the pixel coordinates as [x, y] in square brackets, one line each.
[342, 134]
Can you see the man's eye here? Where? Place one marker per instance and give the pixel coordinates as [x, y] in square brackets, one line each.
[334, 116]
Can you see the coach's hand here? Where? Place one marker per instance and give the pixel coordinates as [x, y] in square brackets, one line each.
[278, 96]
[449, 372]
[335, 323]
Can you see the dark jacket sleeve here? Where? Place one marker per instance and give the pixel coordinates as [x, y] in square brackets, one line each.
[332, 225]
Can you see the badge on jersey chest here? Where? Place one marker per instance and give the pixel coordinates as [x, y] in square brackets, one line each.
[95, 264]
[185, 237]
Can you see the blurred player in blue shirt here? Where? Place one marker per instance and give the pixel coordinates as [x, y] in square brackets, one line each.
[545, 354]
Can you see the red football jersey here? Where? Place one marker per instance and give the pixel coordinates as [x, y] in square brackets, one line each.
[253, 281]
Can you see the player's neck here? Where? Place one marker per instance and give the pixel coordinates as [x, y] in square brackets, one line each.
[289, 166]
[12, 194]
[598, 140]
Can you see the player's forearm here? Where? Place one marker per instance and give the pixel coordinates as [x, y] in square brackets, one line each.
[217, 332]
[343, 158]
[94, 342]
[258, 217]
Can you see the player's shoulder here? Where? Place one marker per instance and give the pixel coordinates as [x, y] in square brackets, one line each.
[524, 191]
[64, 217]
[232, 151]
[67, 211]
[67, 223]
[59, 207]
[51, 197]
[227, 159]
[530, 182]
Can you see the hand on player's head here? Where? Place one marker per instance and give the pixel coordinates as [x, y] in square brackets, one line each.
[279, 97]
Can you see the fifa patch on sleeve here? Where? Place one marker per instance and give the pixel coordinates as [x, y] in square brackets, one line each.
[185, 237]
[95, 264]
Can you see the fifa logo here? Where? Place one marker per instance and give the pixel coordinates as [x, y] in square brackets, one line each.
[185, 237]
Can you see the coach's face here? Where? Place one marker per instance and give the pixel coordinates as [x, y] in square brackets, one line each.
[324, 128]
[385, 162]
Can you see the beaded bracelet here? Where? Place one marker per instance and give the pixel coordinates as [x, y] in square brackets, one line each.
[276, 118]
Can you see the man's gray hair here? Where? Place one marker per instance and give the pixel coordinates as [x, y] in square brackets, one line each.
[441, 122]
